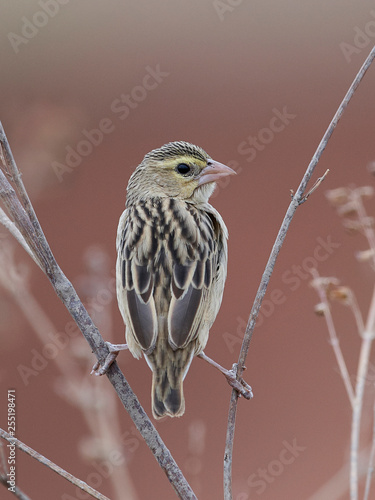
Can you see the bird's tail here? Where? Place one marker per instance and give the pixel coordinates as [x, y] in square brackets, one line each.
[167, 398]
[167, 381]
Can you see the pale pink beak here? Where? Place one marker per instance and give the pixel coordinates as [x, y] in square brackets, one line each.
[213, 172]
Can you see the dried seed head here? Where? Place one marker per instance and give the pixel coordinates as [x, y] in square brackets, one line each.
[324, 282]
[347, 209]
[371, 167]
[338, 196]
[365, 255]
[320, 309]
[368, 221]
[352, 226]
[342, 294]
[365, 191]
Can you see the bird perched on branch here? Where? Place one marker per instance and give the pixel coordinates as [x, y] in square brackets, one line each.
[171, 265]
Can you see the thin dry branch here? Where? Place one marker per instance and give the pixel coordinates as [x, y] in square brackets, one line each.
[98, 406]
[8, 224]
[23, 215]
[320, 284]
[363, 364]
[350, 202]
[56, 468]
[297, 200]
[371, 462]
[17, 492]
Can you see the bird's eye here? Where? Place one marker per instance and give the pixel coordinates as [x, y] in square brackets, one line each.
[183, 169]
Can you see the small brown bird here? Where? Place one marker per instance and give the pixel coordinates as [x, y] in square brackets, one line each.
[171, 265]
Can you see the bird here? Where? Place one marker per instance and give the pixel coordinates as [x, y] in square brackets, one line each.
[171, 265]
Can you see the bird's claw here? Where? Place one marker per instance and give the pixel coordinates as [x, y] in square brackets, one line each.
[99, 369]
[239, 385]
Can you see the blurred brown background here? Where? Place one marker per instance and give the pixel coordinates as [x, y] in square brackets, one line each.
[220, 72]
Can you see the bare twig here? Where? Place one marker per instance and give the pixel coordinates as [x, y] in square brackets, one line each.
[298, 199]
[336, 487]
[8, 224]
[4, 470]
[45, 461]
[371, 462]
[320, 284]
[27, 223]
[316, 184]
[349, 203]
[17, 492]
[364, 359]
[368, 230]
[357, 316]
[96, 403]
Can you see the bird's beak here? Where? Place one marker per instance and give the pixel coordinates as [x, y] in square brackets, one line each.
[213, 172]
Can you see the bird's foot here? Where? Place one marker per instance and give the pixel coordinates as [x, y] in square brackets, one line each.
[114, 349]
[239, 384]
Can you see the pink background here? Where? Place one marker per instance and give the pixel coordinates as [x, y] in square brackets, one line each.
[224, 72]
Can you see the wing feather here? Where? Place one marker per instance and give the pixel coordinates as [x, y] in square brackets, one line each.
[172, 264]
[192, 277]
[134, 244]
[182, 318]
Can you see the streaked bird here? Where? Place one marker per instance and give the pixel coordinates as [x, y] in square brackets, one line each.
[171, 265]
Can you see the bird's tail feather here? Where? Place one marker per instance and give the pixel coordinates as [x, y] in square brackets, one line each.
[167, 395]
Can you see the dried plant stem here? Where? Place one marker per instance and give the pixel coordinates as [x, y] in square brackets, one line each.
[43, 460]
[22, 214]
[8, 224]
[336, 487]
[297, 199]
[335, 343]
[103, 423]
[371, 462]
[357, 316]
[17, 492]
[4, 470]
[364, 358]
[368, 229]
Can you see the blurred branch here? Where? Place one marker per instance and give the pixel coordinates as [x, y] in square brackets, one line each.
[363, 365]
[23, 215]
[321, 286]
[43, 460]
[17, 492]
[337, 485]
[92, 398]
[349, 205]
[8, 224]
[297, 200]
[4, 471]
[371, 462]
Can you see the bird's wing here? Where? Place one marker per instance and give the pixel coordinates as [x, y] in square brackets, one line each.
[195, 252]
[135, 278]
[169, 256]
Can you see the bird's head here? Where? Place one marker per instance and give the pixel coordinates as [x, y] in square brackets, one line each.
[176, 170]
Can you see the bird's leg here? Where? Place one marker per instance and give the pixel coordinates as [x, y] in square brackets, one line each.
[239, 385]
[114, 349]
